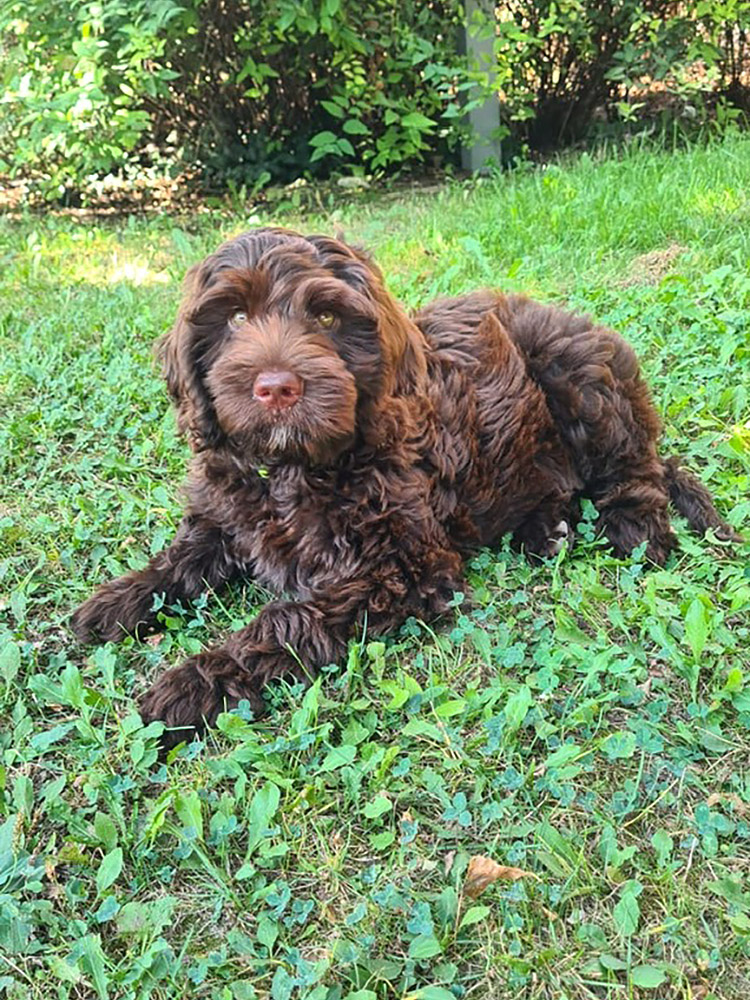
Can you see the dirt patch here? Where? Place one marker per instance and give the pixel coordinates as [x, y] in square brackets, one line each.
[648, 268]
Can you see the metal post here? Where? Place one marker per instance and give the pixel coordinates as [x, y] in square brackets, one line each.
[484, 120]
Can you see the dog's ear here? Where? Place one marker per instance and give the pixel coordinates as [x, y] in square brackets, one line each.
[402, 342]
[195, 413]
[391, 416]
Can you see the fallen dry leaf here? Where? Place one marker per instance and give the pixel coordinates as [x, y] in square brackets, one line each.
[742, 808]
[484, 871]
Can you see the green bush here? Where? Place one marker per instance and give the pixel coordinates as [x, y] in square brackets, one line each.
[78, 80]
[562, 67]
[241, 93]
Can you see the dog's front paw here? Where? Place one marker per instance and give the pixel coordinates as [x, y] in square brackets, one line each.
[111, 613]
[189, 698]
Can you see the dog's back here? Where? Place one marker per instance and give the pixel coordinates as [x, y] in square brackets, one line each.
[599, 404]
[589, 374]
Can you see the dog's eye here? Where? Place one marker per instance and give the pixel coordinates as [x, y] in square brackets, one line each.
[237, 319]
[326, 319]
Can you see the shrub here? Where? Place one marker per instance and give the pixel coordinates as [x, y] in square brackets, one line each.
[245, 92]
[240, 91]
[561, 65]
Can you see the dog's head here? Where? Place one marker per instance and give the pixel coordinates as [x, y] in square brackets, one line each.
[287, 348]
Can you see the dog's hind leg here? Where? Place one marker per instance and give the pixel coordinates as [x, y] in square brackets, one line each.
[634, 508]
[691, 499]
[547, 529]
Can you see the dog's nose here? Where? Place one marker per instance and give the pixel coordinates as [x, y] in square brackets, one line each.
[277, 390]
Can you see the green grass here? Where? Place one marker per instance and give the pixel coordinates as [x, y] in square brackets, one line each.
[587, 721]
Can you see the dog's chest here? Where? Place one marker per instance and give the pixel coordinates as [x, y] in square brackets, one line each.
[300, 539]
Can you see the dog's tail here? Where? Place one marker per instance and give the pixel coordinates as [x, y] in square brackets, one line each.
[691, 499]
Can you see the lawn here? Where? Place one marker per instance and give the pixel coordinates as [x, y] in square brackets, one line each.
[586, 721]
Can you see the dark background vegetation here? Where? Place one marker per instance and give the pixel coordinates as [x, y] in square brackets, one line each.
[237, 95]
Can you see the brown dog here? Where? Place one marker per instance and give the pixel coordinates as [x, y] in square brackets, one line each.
[350, 457]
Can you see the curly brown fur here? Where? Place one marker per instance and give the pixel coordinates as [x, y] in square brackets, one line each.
[399, 446]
